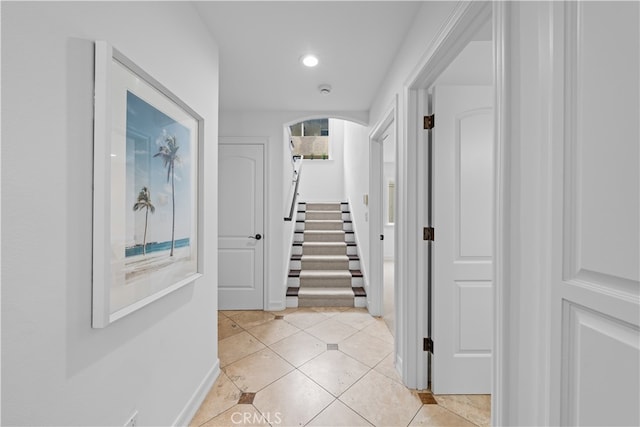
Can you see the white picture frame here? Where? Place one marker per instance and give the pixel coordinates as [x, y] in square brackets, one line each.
[147, 214]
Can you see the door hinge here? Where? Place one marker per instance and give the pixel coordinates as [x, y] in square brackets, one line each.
[427, 345]
[429, 122]
[428, 234]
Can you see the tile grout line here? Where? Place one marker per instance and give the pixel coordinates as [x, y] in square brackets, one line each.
[415, 415]
[304, 330]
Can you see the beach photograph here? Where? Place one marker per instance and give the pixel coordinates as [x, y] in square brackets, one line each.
[159, 189]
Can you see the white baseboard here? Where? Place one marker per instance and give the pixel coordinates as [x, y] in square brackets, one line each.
[360, 302]
[193, 404]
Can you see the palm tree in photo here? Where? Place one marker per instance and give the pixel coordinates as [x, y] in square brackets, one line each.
[168, 153]
[144, 202]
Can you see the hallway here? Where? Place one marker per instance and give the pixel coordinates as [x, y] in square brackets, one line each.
[319, 367]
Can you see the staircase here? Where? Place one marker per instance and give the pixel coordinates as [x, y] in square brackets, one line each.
[325, 268]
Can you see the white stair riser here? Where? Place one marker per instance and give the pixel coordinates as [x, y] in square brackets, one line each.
[293, 282]
[359, 302]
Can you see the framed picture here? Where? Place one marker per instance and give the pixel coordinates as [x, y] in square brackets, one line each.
[147, 187]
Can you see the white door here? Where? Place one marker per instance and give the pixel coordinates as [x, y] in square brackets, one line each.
[241, 226]
[595, 314]
[462, 267]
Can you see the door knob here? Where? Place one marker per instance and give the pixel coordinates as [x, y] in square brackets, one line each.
[257, 237]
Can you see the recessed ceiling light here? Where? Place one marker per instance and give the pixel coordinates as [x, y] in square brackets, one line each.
[310, 60]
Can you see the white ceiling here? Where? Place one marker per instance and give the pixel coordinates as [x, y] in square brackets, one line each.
[261, 44]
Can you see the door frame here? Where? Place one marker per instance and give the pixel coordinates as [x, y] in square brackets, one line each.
[463, 23]
[376, 208]
[264, 142]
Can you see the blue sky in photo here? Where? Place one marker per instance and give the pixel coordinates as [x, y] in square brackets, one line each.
[146, 127]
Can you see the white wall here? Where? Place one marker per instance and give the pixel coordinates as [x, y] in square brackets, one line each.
[323, 180]
[356, 186]
[270, 124]
[473, 66]
[56, 369]
[427, 23]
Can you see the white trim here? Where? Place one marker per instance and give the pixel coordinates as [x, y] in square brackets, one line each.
[501, 225]
[363, 264]
[105, 55]
[376, 206]
[267, 233]
[188, 412]
[359, 117]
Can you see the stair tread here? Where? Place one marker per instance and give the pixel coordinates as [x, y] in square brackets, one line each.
[325, 257]
[326, 273]
[324, 292]
[296, 273]
[297, 257]
[324, 244]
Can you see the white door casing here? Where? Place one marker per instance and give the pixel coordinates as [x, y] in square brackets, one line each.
[595, 285]
[462, 254]
[375, 291]
[241, 220]
[388, 231]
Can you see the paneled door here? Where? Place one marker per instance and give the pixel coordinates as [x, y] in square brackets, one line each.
[241, 226]
[462, 260]
[595, 287]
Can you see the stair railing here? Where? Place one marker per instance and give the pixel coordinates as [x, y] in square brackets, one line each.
[297, 170]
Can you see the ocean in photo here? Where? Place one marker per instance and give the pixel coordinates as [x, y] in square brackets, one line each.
[155, 247]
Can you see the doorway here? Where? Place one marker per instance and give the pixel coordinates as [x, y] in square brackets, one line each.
[388, 220]
[382, 204]
[460, 210]
[241, 224]
[417, 339]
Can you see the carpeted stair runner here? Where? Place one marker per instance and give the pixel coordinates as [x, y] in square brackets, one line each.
[324, 268]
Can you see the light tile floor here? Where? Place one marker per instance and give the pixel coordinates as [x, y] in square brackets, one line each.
[282, 369]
